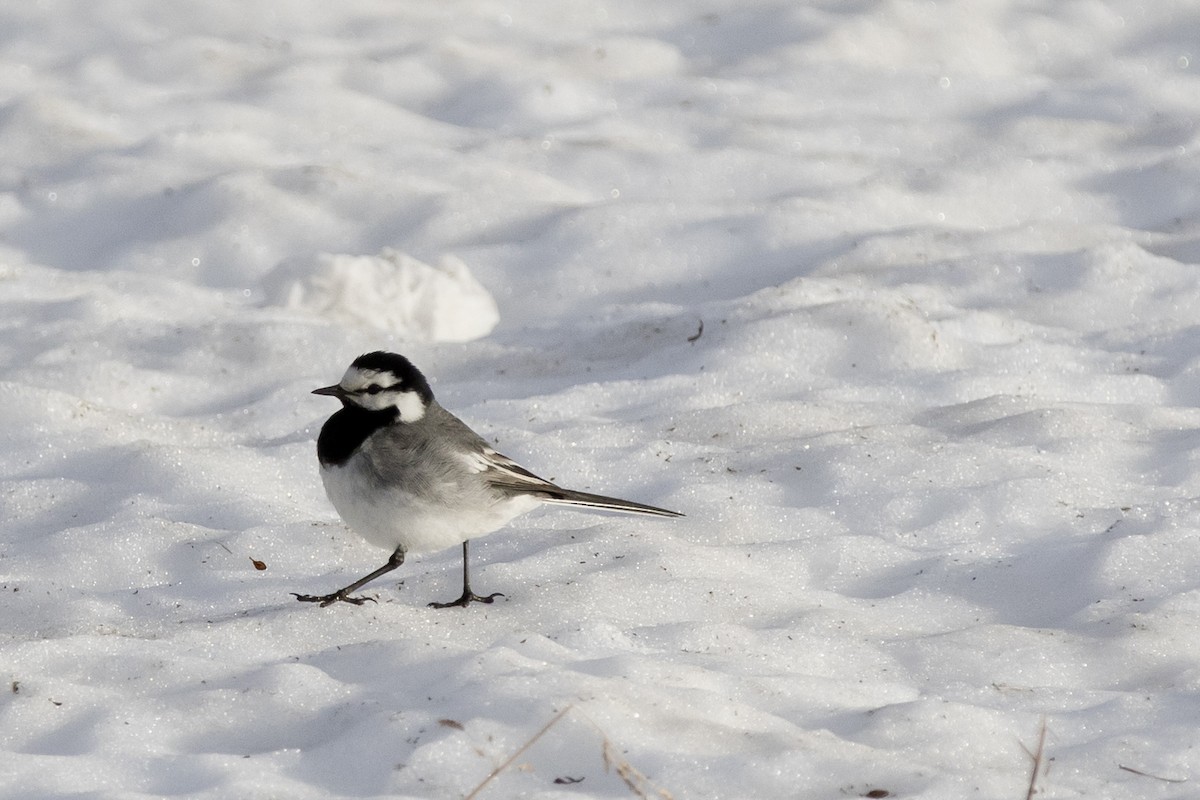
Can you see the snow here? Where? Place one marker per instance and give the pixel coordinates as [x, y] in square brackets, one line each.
[392, 292]
[898, 301]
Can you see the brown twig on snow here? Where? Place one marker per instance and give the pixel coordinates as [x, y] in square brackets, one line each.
[1148, 775]
[1036, 755]
[492, 775]
[633, 778]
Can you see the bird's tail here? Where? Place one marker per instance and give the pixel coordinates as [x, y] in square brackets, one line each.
[566, 497]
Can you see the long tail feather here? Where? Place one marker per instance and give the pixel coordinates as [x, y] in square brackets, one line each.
[567, 497]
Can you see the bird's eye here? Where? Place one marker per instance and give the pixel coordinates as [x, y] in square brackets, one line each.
[374, 388]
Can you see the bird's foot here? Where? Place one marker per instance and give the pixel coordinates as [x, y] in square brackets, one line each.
[329, 599]
[467, 599]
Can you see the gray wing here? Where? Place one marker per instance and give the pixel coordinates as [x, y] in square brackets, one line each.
[425, 457]
[453, 459]
[506, 475]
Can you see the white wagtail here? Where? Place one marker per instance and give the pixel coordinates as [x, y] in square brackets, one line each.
[408, 475]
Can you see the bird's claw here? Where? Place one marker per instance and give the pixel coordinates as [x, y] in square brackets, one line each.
[329, 599]
[467, 599]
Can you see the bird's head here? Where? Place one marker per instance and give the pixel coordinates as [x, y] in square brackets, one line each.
[382, 381]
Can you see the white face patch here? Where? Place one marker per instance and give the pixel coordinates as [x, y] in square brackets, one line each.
[377, 391]
[409, 404]
[356, 379]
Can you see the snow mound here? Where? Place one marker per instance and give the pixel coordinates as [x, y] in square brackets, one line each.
[391, 292]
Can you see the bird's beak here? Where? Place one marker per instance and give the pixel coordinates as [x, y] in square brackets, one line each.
[332, 391]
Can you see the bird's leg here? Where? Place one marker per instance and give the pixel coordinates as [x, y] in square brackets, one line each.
[468, 596]
[343, 595]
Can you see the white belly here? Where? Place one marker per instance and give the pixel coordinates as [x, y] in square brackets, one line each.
[391, 517]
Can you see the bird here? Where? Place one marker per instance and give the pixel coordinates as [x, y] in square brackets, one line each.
[409, 476]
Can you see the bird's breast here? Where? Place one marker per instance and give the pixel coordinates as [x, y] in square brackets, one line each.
[419, 518]
[346, 432]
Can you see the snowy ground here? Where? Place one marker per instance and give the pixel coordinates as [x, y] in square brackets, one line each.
[936, 440]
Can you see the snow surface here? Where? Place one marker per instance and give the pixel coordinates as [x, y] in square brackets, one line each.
[897, 300]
